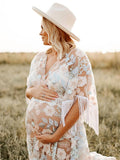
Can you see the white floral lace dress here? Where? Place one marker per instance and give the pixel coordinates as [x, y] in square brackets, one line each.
[72, 78]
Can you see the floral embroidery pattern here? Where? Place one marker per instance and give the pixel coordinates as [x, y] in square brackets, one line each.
[61, 154]
[49, 111]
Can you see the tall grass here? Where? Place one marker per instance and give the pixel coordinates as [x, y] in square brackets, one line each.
[98, 60]
[108, 60]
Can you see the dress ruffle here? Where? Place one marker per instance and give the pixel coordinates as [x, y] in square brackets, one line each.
[65, 107]
[88, 112]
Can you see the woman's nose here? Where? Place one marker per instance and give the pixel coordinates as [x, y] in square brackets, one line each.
[41, 32]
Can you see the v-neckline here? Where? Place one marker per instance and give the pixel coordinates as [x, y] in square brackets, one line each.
[46, 74]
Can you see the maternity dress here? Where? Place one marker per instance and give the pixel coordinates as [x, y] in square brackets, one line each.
[72, 78]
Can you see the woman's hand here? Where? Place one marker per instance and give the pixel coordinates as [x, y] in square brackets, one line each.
[41, 92]
[46, 138]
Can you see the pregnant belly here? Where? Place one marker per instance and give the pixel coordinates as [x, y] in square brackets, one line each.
[42, 117]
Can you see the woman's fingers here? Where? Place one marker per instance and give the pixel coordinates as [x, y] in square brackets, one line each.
[49, 92]
[49, 96]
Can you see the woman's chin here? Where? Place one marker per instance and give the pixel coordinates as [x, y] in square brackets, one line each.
[45, 43]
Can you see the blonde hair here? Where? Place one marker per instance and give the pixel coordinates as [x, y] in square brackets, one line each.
[59, 40]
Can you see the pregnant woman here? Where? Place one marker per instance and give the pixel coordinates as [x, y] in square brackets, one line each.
[60, 94]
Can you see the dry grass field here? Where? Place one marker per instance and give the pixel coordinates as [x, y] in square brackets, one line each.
[98, 60]
[14, 69]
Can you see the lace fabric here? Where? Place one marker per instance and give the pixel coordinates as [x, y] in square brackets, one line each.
[73, 80]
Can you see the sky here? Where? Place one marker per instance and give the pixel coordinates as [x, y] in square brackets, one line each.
[97, 24]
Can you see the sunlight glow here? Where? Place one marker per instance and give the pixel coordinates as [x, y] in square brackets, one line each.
[97, 25]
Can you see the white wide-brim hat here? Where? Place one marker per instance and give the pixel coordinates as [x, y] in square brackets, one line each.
[61, 16]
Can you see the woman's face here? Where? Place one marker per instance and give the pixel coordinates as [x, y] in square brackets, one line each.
[44, 36]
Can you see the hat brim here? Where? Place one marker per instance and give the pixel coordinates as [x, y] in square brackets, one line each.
[55, 22]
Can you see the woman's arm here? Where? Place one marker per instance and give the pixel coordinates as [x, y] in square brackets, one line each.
[70, 119]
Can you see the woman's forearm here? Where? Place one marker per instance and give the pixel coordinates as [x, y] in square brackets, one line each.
[70, 119]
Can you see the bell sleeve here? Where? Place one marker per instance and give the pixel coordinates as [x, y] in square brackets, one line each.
[86, 93]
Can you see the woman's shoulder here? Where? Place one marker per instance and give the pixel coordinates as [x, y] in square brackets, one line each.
[73, 58]
[81, 54]
[78, 56]
[78, 52]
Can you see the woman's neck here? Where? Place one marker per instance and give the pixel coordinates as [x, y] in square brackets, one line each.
[53, 52]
